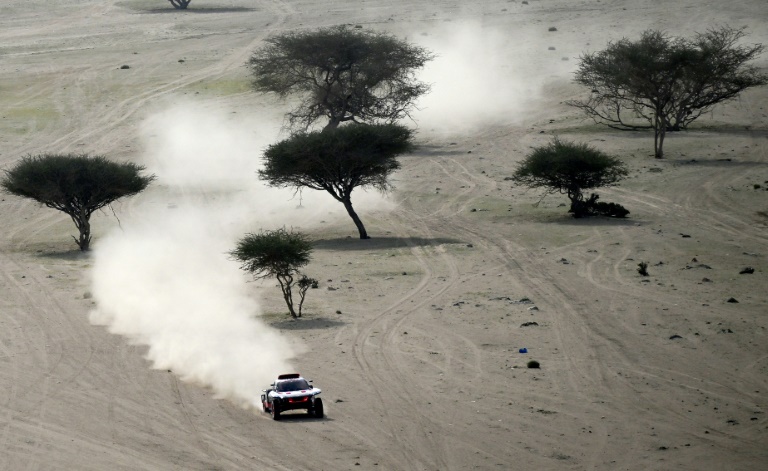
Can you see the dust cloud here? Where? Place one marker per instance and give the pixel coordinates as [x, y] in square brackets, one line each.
[164, 279]
[481, 76]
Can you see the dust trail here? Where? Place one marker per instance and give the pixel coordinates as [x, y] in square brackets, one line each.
[164, 278]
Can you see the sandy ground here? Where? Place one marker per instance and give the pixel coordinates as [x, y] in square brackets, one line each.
[416, 348]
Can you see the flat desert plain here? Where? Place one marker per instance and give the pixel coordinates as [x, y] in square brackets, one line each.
[136, 356]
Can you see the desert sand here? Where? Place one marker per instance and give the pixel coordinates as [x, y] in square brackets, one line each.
[414, 335]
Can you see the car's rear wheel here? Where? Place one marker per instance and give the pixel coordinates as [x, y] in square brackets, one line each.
[318, 409]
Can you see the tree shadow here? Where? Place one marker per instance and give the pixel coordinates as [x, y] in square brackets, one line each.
[436, 151]
[744, 130]
[375, 243]
[69, 255]
[199, 10]
[595, 221]
[724, 162]
[307, 323]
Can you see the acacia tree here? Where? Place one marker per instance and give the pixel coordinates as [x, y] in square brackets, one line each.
[77, 185]
[342, 74]
[279, 253]
[338, 161]
[570, 168]
[180, 4]
[665, 83]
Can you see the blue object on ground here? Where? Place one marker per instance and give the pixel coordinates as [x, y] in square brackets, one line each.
[523, 350]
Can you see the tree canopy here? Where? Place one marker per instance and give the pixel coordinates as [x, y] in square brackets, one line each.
[342, 74]
[570, 168]
[77, 185]
[279, 253]
[338, 161]
[664, 83]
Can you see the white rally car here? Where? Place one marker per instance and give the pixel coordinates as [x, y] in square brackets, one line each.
[291, 392]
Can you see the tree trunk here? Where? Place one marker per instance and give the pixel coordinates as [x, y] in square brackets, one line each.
[332, 124]
[360, 227]
[285, 286]
[659, 142]
[84, 226]
[659, 131]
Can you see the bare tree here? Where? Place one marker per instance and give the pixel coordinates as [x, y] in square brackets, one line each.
[665, 83]
[342, 74]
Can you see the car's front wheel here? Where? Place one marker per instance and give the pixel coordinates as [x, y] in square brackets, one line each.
[275, 412]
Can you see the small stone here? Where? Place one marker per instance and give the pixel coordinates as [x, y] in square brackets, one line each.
[732, 300]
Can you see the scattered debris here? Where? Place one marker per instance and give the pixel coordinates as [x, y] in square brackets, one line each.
[522, 301]
[533, 308]
[529, 324]
[123, 67]
[552, 28]
[747, 271]
[675, 337]
[700, 265]
[732, 300]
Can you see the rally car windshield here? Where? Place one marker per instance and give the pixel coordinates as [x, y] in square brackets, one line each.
[292, 385]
